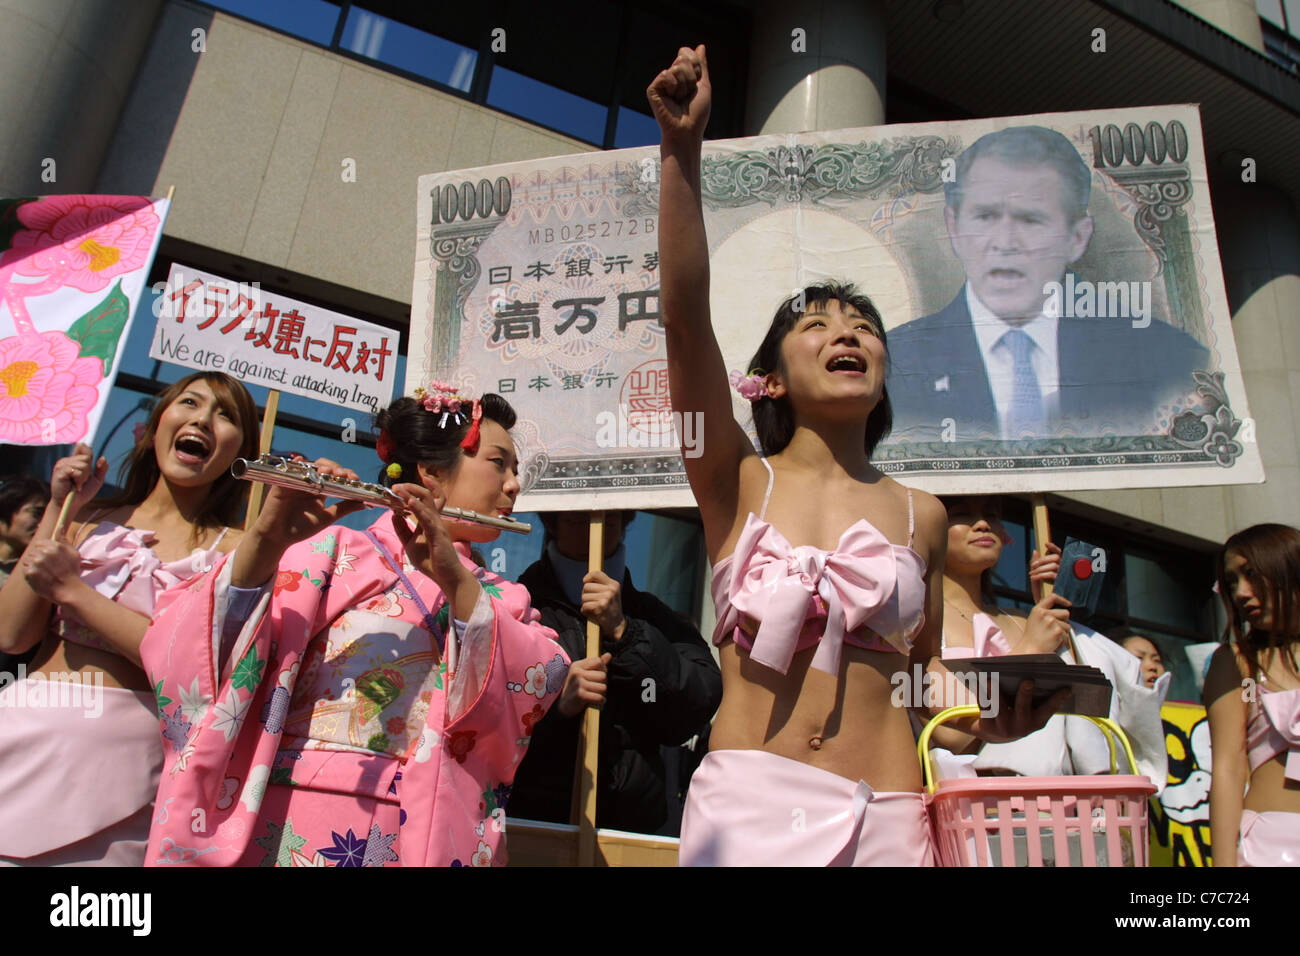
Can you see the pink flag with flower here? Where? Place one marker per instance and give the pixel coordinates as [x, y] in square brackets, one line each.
[72, 271]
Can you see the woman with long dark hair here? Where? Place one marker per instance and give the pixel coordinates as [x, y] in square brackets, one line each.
[79, 747]
[1252, 694]
[357, 698]
[826, 571]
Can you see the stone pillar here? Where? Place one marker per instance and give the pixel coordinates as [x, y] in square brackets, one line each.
[1259, 242]
[816, 64]
[66, 67]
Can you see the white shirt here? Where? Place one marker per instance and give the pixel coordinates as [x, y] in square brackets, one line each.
[999, 363]
[1073, 744]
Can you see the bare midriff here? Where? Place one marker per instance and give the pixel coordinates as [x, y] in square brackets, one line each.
[1270, 790]
[846, 723]
[58, 656]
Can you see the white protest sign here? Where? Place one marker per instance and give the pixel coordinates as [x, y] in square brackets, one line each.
[215, 324]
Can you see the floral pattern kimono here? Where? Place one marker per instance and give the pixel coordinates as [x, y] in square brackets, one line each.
[349, 726]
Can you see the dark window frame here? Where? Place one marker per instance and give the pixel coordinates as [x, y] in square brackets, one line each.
[726, 122]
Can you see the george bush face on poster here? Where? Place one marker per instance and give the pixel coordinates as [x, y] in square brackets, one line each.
[1004, 360]
[1015, 228]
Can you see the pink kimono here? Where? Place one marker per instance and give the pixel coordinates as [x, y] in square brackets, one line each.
[339, 732]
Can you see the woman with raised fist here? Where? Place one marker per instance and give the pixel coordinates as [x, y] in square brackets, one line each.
[79, 747]
[357, 698]
[826, 571]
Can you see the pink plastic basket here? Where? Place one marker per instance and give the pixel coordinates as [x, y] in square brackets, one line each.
[1039, 821]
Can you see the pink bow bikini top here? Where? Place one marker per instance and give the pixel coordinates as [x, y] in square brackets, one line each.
[119, 563]
[867, 592]
[1273, 727]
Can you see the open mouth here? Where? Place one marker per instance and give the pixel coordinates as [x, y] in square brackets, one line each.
[853, 364]
[1006, 276]
[192, 449]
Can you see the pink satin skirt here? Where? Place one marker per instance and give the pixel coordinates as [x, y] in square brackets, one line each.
[753, 808]
[78, 774]
[1269, 839]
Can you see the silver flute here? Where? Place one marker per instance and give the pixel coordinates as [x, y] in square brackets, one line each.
[303, 476]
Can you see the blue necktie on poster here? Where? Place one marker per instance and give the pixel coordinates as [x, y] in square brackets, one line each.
[1026, 415]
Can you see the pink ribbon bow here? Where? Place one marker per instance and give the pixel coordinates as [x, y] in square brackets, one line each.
[1282, 708]
[780, 584]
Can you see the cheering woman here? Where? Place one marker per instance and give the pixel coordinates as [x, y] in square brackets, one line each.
[826, 572]
[79, 745]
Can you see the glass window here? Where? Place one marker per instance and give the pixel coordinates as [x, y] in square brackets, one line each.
[635, 129]
[1012, 569]
[313, 20]
[388, 41]
[542, 103]
[1156, 592]
[511, 553]
[585, 62]
[653, 33]
[664, 554]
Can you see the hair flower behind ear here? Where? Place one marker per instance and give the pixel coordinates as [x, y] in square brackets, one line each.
[751, 387]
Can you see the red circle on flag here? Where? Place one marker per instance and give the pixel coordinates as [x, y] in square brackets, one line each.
[1083, 569]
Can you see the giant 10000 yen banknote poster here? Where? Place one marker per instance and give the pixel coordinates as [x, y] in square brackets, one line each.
[1051, 290]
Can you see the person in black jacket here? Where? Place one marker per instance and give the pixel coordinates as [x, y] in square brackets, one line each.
[660, 683]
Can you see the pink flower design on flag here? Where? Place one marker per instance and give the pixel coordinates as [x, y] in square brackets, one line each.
[82, 241]
[47, 389]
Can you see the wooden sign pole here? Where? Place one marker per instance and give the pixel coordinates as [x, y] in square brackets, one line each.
[589, 737]
[1042, 530]
[1042, 535]
[263, 446]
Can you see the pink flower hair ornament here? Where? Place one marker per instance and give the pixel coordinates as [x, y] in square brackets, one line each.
[445, 398]
[751, 387]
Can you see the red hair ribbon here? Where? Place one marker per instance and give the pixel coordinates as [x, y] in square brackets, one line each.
[470, 441]
[384, 446]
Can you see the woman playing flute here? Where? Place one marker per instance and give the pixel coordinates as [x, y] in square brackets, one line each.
[334, 697]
